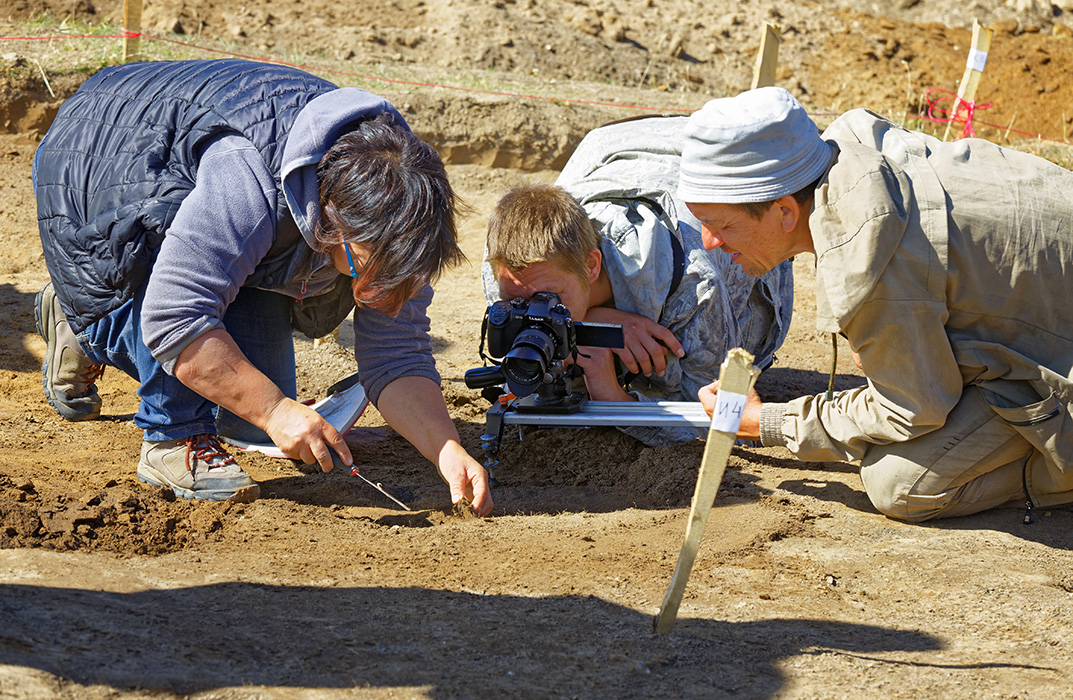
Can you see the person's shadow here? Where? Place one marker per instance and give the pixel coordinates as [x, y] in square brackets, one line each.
[787, 383]
[448, 644]
[16, 328]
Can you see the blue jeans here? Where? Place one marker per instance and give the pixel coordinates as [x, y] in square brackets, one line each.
[259, 321]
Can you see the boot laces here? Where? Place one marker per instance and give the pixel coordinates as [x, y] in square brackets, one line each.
[92, 374]
[207, 447]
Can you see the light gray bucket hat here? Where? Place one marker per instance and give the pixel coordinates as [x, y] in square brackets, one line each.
[755, 147]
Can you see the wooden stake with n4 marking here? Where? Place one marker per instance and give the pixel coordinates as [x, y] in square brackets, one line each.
[736, 378]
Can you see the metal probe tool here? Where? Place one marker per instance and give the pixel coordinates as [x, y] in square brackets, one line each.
[338, 462]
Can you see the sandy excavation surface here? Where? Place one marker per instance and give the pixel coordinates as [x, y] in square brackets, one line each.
[325, 589]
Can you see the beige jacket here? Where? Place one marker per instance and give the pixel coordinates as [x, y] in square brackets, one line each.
[944, 265]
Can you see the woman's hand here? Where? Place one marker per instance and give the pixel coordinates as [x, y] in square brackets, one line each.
[414, 407]
[214, 366]
[303, 434]
[465, 477]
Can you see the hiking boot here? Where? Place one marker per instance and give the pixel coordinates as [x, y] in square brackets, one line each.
[196, 467]
[68, 376]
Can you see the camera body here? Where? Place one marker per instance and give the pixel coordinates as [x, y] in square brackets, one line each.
[533, 338]
[543, 320]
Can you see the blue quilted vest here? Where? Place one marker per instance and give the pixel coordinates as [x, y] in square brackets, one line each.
[122, 155]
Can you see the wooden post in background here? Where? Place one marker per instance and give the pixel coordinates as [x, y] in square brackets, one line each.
[974, 69]
[132, 29]
[767, 59]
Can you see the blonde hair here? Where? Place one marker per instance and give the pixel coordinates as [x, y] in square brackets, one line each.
[540, 223]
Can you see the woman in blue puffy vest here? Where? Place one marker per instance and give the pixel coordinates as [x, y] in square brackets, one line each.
[192, 214]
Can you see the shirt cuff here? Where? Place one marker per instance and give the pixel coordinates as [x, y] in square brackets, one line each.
[771, 425]
[169, 355]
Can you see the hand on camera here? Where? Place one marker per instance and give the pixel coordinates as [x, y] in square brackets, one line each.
[601, 379]
[646, 342]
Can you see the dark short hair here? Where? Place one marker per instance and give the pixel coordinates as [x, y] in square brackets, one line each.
[756, 210]
[386, 189]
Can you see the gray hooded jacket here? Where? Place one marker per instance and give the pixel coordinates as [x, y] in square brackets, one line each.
[238, 152]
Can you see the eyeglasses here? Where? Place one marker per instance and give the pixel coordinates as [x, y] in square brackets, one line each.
[350, 260]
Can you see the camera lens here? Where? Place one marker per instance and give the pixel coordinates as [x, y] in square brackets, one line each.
[524, 366]
[527, 361]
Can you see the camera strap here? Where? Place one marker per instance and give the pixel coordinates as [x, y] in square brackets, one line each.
[480, 348]
[679, 261]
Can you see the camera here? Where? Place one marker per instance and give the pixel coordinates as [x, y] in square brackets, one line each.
[533, 338]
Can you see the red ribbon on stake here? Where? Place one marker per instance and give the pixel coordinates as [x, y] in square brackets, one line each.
[942, 115]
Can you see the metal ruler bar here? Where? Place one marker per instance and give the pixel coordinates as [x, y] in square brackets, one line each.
[615, 413]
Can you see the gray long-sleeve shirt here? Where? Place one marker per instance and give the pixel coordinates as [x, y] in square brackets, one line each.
[227, 224]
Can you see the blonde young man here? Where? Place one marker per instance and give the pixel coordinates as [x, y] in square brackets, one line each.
[613, 241]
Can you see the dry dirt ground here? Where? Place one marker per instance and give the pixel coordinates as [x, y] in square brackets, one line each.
[324, 589]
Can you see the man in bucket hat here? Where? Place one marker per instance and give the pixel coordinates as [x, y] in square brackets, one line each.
[944, 265]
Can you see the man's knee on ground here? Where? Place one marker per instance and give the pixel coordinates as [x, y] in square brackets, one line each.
[894, 485]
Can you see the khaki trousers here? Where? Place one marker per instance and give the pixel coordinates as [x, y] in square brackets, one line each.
[999, 444]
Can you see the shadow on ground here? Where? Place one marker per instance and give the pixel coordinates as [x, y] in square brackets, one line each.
[15, 328]
[191, 640]
[787, 383]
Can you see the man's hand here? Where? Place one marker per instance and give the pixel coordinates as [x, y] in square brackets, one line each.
[647, 342]
[750, 417]
[601, 380]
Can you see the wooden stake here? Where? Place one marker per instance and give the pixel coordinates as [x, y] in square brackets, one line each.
[132, 28]
[736, 377]
[974, 69]
[767, 59]
[1010, 126]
